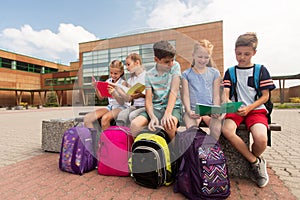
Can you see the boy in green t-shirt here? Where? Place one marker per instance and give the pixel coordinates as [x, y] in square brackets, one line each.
[162, 101]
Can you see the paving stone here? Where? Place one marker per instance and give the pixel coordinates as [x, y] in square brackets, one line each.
[31, 173]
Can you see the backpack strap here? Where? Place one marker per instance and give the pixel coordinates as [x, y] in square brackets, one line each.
[256, 76]
[232, 75]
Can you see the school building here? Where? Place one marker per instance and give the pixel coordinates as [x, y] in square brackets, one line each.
[95, 56]
[29, 80]
[24, 79]
[35, 81]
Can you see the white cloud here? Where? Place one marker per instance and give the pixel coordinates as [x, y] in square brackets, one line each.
[274, 21]
[45, 44]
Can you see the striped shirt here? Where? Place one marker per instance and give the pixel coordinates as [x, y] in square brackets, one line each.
[161, 86]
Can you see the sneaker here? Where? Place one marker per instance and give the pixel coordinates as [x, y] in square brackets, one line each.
[259, 170]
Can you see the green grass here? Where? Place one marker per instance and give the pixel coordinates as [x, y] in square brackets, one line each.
[287, 105]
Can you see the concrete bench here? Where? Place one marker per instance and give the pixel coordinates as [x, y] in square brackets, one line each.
[238, 166]
[53, 130]
[52, 133]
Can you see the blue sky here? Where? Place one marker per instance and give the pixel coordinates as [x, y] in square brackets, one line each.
[51, 30]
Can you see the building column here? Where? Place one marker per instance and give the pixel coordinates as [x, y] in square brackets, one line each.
[281, 90]
[18, 97]
[13, 64]
[59, 97]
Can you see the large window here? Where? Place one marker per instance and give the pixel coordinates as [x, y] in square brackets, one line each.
[6, 63]
[60, 81]
[23, 66]
[96, 63]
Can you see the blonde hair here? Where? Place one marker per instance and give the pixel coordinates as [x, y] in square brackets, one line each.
[117, 64]
[135, 57]
[248, 39]
[206, 44]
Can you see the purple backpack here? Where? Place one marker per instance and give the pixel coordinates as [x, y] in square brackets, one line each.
[202, 170]
[77, 153]
[114, 151]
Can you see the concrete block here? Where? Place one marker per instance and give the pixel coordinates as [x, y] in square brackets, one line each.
[238, 166]
[52, 132]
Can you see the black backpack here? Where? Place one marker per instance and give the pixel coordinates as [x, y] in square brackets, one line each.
[150, 163]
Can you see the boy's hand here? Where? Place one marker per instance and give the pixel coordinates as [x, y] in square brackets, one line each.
[153, 123]
[243, 111]
[168, 121]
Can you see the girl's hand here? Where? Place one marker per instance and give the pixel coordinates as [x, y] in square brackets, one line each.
[93, 83]
[111, 89]
[193, 115]
[137, 95]
[216, 116]
[112, 84]
[98, 94]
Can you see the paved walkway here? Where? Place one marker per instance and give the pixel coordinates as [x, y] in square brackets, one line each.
[26, 172]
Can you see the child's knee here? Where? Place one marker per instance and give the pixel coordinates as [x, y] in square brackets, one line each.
[134, 128]
[228, 132]
[262, 142]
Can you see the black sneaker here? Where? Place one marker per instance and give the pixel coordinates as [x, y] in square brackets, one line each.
[259, 170]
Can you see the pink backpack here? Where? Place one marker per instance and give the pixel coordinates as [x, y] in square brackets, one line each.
[114, 151]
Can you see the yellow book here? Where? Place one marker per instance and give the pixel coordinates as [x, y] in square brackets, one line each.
[138, 87]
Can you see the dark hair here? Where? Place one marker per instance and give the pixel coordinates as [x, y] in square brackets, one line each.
[163, 49]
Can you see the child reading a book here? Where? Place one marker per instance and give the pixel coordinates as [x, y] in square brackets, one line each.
[253, 112]
[163, 105]
[137, 72]
[116, 70]
[201, 84]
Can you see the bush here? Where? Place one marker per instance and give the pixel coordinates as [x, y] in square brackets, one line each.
[51, 100]
[295, 99]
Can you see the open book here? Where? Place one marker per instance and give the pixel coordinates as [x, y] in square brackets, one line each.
[230, 107]
[138, 87]
[102, 87]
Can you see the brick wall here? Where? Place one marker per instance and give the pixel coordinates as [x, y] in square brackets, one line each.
[185, 39]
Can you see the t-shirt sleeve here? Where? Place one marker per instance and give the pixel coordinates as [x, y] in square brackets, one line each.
[184, 74]
[266, 82]
[175, 71]
[216, 74]
[147, 81]
[226, 80]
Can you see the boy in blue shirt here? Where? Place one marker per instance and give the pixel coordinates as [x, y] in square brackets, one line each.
[162, 100]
